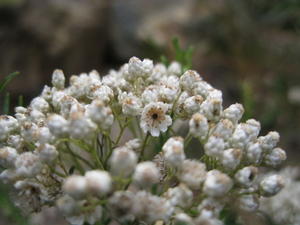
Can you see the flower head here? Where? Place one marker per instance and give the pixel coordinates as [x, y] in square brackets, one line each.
[154, 118]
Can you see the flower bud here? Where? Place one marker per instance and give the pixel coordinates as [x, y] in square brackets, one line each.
[123, 161]
[98, 182]
[271, 185]
[217, 184]
[146, 174]
[75, 186]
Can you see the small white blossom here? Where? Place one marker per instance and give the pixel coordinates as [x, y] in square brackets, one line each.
[202, 88]
[211, 108]
[271, 185]
[198, 126]
[57, 97]
[98, 182]
[121, 205]
[168, 88]
[58, 125]
[231, 158]
[154, 118]
[123, 161]
[133, 144]
[75, 186]
[8, 123]
[39, 104]
[269, 141]
[150, 208]
[44, 135]
[47, 153]
[179, 196]
[192, 104]
[131, 105]
[174, 69]
[233, 112]
[246, 176]
[100, 114]
[58, 79]
[146, 174]
[138, 68]
[28, 164]
[207, 219]
[275, 157]
[223, 129]
[158, 72]
[183, 218]
[211, 206]
[47, 93]
[254, 153]
[8, 156]
[173, 151]
[81, 127]
[15, 141]
[217, 184]
[214, 146]
[192, 173]
[249, 203]
[189, 79]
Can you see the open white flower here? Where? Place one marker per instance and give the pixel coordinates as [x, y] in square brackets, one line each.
[154, 118]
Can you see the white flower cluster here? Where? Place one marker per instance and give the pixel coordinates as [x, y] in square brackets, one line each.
[67, 149]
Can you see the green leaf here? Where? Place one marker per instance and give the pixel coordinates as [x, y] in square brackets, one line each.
[248, 100]
[20, 100]
[7, 79]
[184, 56]
[6, 104]
[164, 60]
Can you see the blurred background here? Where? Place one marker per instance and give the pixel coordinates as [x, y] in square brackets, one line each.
[250, 49]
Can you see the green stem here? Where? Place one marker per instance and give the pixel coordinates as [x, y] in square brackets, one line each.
[75, 158]
[188, 139]
[62, 166]
[122, 128]
[77, 143]
[174, 104]
[144, 146]
[110, 150]
[55, 172]
[98, 161]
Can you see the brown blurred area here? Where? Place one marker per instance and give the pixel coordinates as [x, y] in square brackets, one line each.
[250, 49]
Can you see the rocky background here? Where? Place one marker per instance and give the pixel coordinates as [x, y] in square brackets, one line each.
[250, 49]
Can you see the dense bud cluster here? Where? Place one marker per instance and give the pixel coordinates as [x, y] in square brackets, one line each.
[106, 149]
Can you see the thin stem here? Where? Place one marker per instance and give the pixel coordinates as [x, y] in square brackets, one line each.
[55, 172]
[80, 157]
[62, 166]
[174, 104]
[188, 139]
[144, 146]
[110, 150]
[78, 143]
[96, 156]
[75, 158]
[122, 128]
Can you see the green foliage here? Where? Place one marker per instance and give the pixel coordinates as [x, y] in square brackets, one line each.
[247, 100]
[229, 217]
[182, 55]
[7, 80]
[3, 85]
[6, 104]
[9, 211]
